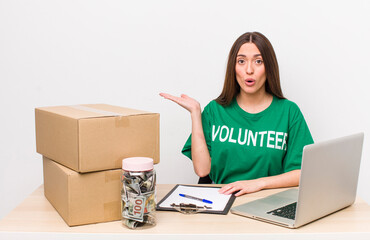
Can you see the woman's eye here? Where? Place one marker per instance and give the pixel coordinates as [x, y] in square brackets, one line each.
[259, 61]
[241, 61]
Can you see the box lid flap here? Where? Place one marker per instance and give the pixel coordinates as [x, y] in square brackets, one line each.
[92, 111]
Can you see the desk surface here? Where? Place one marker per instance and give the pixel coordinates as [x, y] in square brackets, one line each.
[35, 218]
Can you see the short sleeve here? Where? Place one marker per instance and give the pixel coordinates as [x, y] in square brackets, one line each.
[206, 117]
[298, 136]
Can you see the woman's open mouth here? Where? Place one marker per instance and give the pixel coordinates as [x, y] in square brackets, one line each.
[250, 82]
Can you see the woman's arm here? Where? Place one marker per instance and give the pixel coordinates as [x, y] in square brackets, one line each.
[199, 151]
[288, 179]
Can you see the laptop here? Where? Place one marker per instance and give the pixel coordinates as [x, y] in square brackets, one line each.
[328, 183]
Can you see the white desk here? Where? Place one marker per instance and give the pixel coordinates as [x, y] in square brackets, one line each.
[35, 218]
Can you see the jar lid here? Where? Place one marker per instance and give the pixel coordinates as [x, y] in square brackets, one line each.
[137, 164]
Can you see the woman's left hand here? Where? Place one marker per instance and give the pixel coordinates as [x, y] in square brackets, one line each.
[288, 179]
[242, 187]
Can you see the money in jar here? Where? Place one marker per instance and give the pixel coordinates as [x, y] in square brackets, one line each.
[138, 192]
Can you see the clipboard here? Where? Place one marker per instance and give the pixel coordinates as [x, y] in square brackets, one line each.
[221, 203]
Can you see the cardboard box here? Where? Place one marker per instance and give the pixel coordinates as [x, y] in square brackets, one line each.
[95, 137]
[83, 198]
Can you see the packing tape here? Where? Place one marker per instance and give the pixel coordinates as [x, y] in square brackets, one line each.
[112, 176]
[112, 210]
[120, 121]
[94, 110]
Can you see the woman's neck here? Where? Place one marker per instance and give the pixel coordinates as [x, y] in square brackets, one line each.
[254, 103]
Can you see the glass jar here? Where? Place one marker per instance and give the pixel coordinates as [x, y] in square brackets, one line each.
[138, 192]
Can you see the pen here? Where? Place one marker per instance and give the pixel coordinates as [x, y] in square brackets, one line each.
[195, 198]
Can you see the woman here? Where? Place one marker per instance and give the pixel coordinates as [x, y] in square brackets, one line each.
[250, 137]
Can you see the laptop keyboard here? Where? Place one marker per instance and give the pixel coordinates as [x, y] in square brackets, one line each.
[287, 211]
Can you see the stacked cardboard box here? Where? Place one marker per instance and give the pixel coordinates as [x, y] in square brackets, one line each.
[83, 147]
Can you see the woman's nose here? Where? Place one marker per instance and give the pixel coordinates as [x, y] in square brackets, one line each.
[249, 69]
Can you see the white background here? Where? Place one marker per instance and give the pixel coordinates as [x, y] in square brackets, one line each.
[126, 52]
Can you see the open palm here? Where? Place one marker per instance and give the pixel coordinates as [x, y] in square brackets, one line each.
[184, 101]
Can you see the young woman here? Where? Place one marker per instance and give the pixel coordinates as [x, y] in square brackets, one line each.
[250, 137]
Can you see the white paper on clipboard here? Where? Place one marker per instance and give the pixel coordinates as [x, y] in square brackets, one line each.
[220, 202]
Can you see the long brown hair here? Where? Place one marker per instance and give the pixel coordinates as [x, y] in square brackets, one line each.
[231, 87]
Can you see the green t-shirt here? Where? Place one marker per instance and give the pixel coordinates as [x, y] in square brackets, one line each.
[246, 146]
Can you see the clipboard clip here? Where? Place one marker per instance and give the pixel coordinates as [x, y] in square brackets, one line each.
[189, 208]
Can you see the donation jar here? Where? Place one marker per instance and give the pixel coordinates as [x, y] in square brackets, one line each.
[138, 192]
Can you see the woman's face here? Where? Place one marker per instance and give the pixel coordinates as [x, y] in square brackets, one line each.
[250, 70]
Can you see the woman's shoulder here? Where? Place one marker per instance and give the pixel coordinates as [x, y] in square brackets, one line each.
[213, 107]
[213, 104]
[290, 109]
[287, 104]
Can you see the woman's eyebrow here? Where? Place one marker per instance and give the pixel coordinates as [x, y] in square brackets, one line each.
[255, 55]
